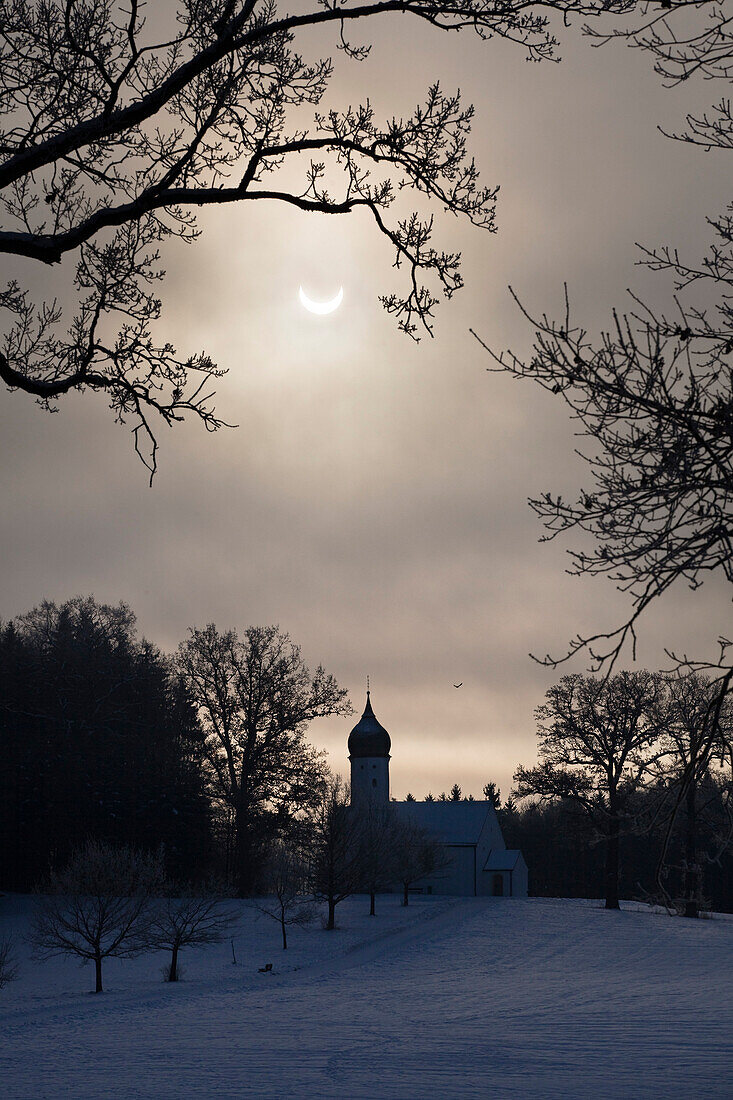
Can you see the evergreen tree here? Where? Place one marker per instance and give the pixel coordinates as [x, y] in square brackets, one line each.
[98, 740]
[492, 794]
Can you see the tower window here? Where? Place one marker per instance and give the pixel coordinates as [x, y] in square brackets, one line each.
[374, 782]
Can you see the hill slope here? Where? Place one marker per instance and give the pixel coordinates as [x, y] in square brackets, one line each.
[451, 998]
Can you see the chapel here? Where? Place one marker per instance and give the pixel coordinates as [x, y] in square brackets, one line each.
[480, 863]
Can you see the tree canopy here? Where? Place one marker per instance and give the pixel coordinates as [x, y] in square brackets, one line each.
[255, 698]
[653, 394]
[596, 741]
[121, 123]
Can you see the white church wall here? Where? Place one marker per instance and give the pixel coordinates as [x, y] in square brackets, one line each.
[489, 838]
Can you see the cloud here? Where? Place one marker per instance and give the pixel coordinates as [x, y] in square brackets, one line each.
[372, 499]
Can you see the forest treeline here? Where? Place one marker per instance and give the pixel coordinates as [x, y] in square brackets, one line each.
[202, 756]
[98, 738]
[565, 854]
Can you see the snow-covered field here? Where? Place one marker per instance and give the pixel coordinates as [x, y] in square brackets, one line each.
[449, 998]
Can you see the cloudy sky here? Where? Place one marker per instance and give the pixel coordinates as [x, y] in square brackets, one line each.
[372, 500]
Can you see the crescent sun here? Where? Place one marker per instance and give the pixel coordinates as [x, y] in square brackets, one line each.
[320, 307]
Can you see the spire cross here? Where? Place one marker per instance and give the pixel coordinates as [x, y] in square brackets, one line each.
[367, 685]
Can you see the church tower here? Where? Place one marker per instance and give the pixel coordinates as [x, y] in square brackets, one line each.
[369, 746]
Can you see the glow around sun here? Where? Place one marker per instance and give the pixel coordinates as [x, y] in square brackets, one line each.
[320, 307]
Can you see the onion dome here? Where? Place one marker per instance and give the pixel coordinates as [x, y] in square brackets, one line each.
[368, 737]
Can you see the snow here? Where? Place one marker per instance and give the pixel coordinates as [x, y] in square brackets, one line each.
[452, 997]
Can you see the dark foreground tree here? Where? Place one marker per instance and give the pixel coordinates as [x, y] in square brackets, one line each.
[255, 698]
[336, 870]
[97, 739]
[696, 727]
[653, 394]
[123, 120]
[596, 737]
[654, 397]
[8, 966]
[96, 908]
[186, 916]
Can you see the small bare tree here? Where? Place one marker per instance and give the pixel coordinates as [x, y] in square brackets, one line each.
[287, 882]
[8, 967]
[336, 870]
[377, 832]
[595, 748]
[416, 854]
[188, 917]
[96, 907]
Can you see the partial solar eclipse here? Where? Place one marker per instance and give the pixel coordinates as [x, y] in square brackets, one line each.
[320, 307]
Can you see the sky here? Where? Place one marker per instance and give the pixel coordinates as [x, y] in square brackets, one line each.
[372, 498]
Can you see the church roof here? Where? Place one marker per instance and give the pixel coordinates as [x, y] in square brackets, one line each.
[505, 860]
[451, 822]
[368, 737]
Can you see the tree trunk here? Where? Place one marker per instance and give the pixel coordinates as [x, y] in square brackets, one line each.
[372, 911]
[612, 859]
[284, 932]
[692, 871]
[173, 969]
[405, 900]
[331, 923]
[243, 871]
[245, 842]
[98, 973]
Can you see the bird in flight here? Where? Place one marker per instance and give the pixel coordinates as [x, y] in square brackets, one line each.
[458, 685]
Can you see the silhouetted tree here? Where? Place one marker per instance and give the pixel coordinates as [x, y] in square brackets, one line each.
[697, 726]
[126, 133]
[596, 737]
[653, 393]
[492, 794]
[378, 829]
[455, 793]
[96, 908]
[506, 815]
[98, 739]
[286, 886]
[8, 966]
[336, 870]
[255, 698]
[189, 915]
[417, 854]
